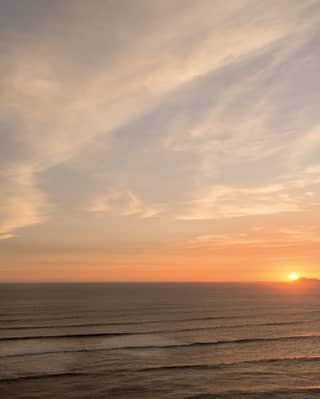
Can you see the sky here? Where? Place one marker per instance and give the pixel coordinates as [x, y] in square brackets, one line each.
[159, 141]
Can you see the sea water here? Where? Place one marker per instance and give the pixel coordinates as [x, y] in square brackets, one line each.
[159, 341]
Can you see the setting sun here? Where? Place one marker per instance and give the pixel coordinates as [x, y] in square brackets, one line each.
[294, 277]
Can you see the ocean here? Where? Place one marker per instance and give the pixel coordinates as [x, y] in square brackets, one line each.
[174, 341]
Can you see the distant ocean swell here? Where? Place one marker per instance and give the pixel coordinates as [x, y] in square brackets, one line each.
[287, 393]
[149, 347]
[101, 314]
[223, 326]
[182, 345]
[182, 367]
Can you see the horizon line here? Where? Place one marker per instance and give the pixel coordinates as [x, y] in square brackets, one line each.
[161, 282]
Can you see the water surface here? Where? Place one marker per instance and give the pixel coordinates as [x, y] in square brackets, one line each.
[159, 341]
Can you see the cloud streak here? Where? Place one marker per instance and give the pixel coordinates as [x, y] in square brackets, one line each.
[22, 203]
[234, 86]
[120, 203]
[258, 238]
[290, 194]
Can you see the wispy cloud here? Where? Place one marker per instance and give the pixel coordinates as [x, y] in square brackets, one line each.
[217, 76]
[21, 202]
[258, 238]
[123, 204]
[290, 194]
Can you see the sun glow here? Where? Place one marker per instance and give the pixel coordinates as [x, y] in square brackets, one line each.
[294, 277]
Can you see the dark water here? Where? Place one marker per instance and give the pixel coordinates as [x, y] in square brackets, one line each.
[160, 341]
